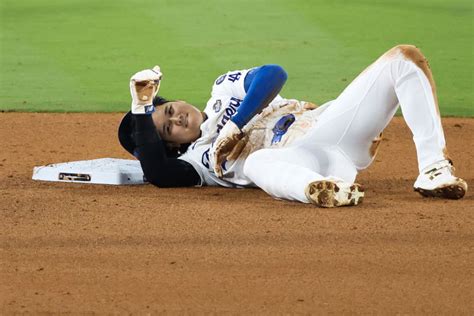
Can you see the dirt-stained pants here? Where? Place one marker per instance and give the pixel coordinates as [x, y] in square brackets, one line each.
[346, 134]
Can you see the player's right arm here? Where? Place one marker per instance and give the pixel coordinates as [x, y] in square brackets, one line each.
[159, 169]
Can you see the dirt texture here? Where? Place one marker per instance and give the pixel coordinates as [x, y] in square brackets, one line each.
[77, 248]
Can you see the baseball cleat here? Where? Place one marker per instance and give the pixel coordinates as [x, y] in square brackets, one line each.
[438, 180]
[327, 193]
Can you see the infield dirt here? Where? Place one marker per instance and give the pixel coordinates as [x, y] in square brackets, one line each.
[76, 248]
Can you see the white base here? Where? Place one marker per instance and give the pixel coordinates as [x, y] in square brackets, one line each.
[99, 171]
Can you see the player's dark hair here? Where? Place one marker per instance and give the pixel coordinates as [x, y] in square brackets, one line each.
[157, 101]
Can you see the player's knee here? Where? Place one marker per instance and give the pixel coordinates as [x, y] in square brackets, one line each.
[411, 52]
[406, 47]
[415, 55]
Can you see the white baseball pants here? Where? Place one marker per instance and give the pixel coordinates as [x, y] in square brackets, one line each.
[340, 143]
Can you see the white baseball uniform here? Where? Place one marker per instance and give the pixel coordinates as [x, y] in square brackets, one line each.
[334, 141]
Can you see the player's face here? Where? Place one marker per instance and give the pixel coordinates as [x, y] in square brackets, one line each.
[178, 122]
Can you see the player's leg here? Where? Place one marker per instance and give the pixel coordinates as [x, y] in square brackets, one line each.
[367, 105]
[294, 173]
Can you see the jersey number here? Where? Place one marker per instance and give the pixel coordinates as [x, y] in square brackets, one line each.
[235, 76]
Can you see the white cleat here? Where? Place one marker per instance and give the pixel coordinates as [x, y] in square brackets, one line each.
[438, 180]
[326, 193]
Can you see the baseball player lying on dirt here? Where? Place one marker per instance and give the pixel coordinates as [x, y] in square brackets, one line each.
[248, 135]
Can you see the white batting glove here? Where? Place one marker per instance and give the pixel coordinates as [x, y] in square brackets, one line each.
[144, 86]
[225, 142]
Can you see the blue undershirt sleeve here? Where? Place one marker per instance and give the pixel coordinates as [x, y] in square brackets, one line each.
[262, 85]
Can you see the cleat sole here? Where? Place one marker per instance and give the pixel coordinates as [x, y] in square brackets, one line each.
[452, 191]
[329, 194]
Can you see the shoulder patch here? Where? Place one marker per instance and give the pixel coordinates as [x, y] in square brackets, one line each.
[217, 106]
[220, 79]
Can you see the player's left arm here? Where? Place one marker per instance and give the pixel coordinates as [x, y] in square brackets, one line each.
[262, 85]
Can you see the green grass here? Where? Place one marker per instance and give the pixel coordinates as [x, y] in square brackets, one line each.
[78, 55]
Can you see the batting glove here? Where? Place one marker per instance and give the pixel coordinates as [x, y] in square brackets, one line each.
[224, 144]
[144, 86]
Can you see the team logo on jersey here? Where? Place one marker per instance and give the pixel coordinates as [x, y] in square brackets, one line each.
[220, 79]
[217, 106]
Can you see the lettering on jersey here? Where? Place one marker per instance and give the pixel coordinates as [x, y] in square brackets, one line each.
[234, 103]
[220, 79]
[217, 106]
[234, 76]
